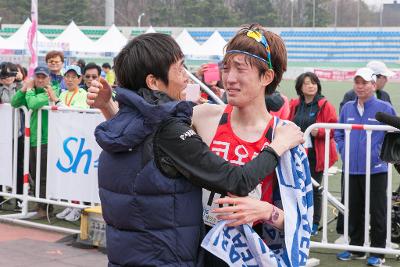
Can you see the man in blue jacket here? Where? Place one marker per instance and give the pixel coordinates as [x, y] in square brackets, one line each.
[362, 111]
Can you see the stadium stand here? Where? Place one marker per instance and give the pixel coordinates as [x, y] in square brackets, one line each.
[329, 45]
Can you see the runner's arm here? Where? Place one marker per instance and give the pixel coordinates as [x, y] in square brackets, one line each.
[179, 150]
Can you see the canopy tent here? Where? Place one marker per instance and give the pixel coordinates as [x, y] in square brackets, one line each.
[112, 41]
[214, 46]
[188, 45]
[150, 30]
[77, 41]
[19, 40]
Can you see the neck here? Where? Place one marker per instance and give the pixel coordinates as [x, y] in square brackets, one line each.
[249, 122]
[361, 102]
[73, 89]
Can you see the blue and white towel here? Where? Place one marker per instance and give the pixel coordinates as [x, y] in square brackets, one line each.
[241, 246]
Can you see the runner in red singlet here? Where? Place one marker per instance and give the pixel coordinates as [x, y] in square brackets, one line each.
[253, 66]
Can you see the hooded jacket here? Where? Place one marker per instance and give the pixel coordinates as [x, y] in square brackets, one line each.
[147, 215]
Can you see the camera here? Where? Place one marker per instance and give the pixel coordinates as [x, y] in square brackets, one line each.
[7, 74]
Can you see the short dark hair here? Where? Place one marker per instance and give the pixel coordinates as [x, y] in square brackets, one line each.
[106, 65]
[300, 80]
[92, 65]
[151, 53]
[53, 54]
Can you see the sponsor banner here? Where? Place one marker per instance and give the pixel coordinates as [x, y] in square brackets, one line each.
[6, 146]
[73, 154]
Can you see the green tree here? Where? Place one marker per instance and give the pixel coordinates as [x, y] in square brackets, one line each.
[322, 16]
[260, 11]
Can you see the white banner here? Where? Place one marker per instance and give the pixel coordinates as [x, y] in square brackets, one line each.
[6, 156]
[73, 155]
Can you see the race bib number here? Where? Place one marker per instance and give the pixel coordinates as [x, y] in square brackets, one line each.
[209, 197]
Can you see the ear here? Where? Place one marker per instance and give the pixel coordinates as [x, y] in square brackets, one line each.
[152, 82]
[268, 77]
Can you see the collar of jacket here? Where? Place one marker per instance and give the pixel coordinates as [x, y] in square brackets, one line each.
[367, 103]
[155, 106]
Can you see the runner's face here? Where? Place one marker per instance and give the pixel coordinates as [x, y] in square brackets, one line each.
[177, 80]
[242, 82]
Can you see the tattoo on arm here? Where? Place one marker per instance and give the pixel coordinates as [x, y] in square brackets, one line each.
[274, 216]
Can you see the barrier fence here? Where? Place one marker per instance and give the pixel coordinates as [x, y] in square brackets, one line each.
[72, 169]
[325, 243]
[70, 143]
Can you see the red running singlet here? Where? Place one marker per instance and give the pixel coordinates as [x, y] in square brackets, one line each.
[237, 151]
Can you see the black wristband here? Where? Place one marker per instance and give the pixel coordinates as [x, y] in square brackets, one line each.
[272, 151]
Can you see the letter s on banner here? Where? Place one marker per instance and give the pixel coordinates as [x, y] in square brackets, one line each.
[72, 156]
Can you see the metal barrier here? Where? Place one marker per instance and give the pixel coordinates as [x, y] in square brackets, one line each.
[345, 208]
[19, 218]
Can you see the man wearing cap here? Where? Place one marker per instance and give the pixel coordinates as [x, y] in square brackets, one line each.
[74, 96]
[34, 95]
[382, 74]
[362, 110]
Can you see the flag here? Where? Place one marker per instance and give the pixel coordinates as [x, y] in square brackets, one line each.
[32, 37]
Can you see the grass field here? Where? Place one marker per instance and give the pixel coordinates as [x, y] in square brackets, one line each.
[334, 92]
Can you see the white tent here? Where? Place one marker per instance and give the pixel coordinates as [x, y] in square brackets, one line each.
[76, 39]
[214, 46]
[150, 30]
[19, 40]
[112, 41]
[188, 45]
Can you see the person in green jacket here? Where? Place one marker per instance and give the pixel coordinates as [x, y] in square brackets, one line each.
[34, 95]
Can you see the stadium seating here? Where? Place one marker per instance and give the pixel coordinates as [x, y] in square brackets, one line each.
[330, 45]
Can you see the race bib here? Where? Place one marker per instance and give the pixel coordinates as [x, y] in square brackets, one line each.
[209, 197]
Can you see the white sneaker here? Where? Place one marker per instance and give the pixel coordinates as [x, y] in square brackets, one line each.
[74, 215]
[64, 213]
[340, 240]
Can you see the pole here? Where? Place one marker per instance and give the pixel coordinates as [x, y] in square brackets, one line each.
[313, 15]
[139, 19]
[291, 15]
[358, 14]
[109, 12]
[336, 7]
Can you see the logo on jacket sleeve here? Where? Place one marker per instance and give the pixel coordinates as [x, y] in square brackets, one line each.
[187, 134]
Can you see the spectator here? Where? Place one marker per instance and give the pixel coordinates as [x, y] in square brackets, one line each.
[74, 96]
[362, 111]
[8, 87]
[21, 74]
[110, 75]
[91, 72]
[34, 95]
[8, 83]
[55, 63]
[312, 107]
[382, 74]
